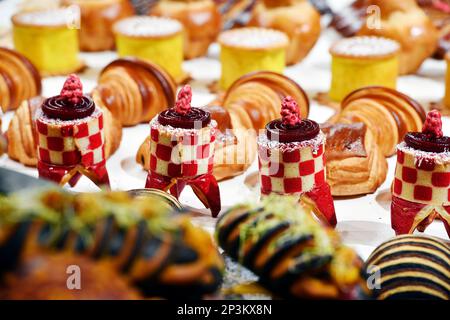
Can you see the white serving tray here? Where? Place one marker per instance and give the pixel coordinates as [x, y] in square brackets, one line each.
[363, 222]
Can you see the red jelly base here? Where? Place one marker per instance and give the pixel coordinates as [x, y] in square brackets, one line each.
[204, 186]
[404, 212]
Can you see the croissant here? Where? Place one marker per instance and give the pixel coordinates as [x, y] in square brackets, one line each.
[201, 20]
[405, 22]
[297, 18]
[134, 91]
[162, 254]
[21, 134]
[291, 252]
[19, 79]
[246, 107]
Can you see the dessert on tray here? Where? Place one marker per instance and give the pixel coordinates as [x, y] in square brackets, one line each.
[134, 90]
[71, 138]
[201, 20]
[291, 252]
[362, 61]
[48, 40]
[19, 79]
[155, 39]
[355, 163]
[421, 187]
[160, 253]
[291, 161]
[251, 49]
[411, 267]
[22, 132]
[251, 102]
[297, 18]
[97, 19]
[182, 151]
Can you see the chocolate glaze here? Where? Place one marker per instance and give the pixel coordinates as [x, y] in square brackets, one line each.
[422, 141]
[306, 130]
[344, 140]
[191, 120]
[59, 108]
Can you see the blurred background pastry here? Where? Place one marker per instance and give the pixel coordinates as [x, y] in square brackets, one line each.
[201, 20]
[49, 39]
[155, 39]
[251, 49]
[134, 90]
[19, 79]
[97, 19]
[298, 19]
[362, 61]
[447, 86]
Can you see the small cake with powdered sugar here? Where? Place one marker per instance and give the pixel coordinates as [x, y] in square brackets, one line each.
[291, 161]
[182, 142]
[251, 49]
[363, 61]
[421, 188]
[155, 39]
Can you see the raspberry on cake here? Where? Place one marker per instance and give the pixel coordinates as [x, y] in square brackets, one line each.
[182, 151]
[291, 161]
[71, 140]
[421, 187]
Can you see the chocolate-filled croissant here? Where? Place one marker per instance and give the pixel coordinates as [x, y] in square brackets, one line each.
[22, 134]
[293, 254]
[134, 91]
[162, 254]
[19, 79]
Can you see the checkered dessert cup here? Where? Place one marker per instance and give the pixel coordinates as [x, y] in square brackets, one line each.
[184, 157]
[421, 190]
[297, 168]
[68, 149]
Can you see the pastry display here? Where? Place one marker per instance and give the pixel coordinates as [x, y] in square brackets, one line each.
[19, 79]
[291, 161]
[182, 151]
[293, 254]
[387, 113]
[405, 22]
[298, 19]
[134, 90]
[97, 19]
[251, 49]
[155, 39]
[71, 138]
[411, 267]
[251, 102]
[23, 136]
[355, 163]
[161, 254]
[48, 40]
[362, 61]
[421, 187]
[201, 20]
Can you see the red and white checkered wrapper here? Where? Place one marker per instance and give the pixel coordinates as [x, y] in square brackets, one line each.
[181, 153]
[422, 177]
[291, 168]
[69, 143]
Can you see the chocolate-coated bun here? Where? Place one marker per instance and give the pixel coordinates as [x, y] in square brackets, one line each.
[59, 108]
[420, 141]
[194, 119]
[306, 130]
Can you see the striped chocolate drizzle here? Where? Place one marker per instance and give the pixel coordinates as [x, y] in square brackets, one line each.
[412, 267]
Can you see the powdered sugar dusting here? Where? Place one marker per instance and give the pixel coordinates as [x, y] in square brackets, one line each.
[314, 143]
[419, 155]
[148, 26]
[254, 38]
[42, 117]
[53, 17]
[365, 47]
[154, 124]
